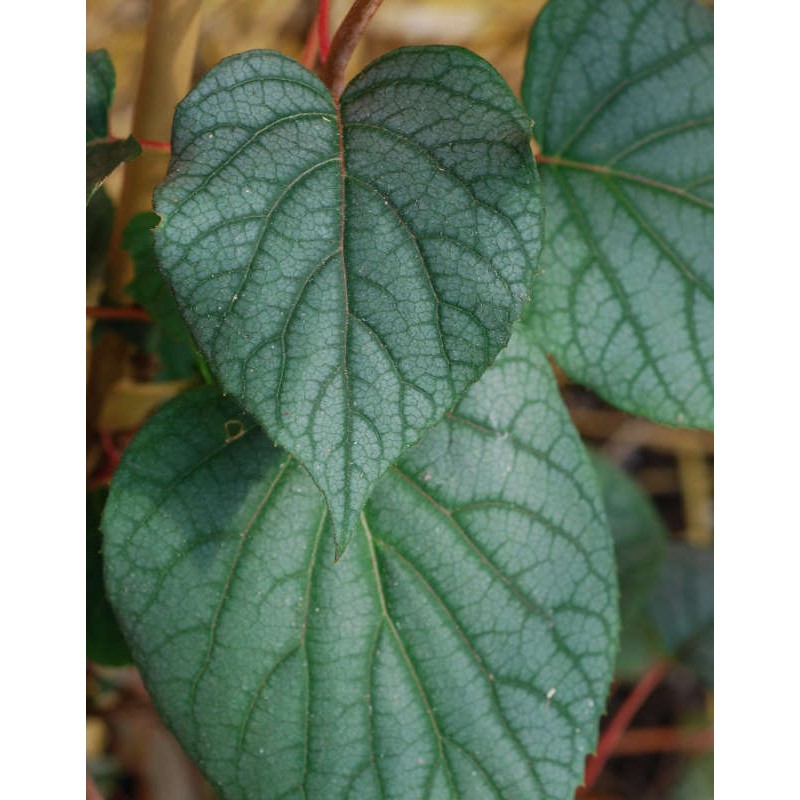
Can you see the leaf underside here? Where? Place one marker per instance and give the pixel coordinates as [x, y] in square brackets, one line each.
[622, 95]
[462, 646]
[349, 270]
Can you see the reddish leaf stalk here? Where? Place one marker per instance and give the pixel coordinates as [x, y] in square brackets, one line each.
[310, 49]
[664, 740]
[151, 144]
[622, 720]
[132, 313]
[323, 29]
[147, 144]
[344, 43]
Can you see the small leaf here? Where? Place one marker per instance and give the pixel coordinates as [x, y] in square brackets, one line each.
[462, 647]
[104, 641]
[639, 533]
[622, 95]
[348, 270]
[103, 157]
[682, 607]
[100, 80]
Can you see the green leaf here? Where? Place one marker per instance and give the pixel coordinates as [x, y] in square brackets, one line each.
[640, 646]
[349, 270]
[104, 641]
[100, 80]
[622, 95]
[640, 536]
[462, 646]
[682, 607]
[103, 157]
[696, 781]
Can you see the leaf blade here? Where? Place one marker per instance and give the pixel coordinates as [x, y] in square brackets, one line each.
[342, 306]
[381, 675]
[623, 99]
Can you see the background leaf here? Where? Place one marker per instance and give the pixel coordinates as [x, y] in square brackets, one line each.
[622, 96]
[348, 289]
[103, 157]
[682, 607]
[696, 781]
[639, 533]
[104, 641]
[462, 646]
[100, 80]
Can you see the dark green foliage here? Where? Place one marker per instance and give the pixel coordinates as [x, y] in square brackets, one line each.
[640, 536]
[682, 607]
[349, 270]
[104, 641]
[462, 646]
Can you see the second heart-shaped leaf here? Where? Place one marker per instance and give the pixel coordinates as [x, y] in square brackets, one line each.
[350, 268]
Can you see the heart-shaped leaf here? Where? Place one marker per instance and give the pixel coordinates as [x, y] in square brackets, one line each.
[622, 93]
[348, 269]
[462, 647]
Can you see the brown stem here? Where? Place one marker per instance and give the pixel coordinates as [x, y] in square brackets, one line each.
[173, 29]
[664, 740]
[122, 313]
[344, 43]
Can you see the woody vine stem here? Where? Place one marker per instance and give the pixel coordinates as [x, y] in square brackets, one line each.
[345, 42]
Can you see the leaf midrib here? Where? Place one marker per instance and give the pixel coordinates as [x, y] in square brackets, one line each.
[407, 658]
[340, 537]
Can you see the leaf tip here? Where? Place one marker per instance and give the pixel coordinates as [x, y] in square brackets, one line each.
[339, 546]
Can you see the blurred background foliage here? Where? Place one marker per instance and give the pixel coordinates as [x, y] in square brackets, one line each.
[657, 482]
